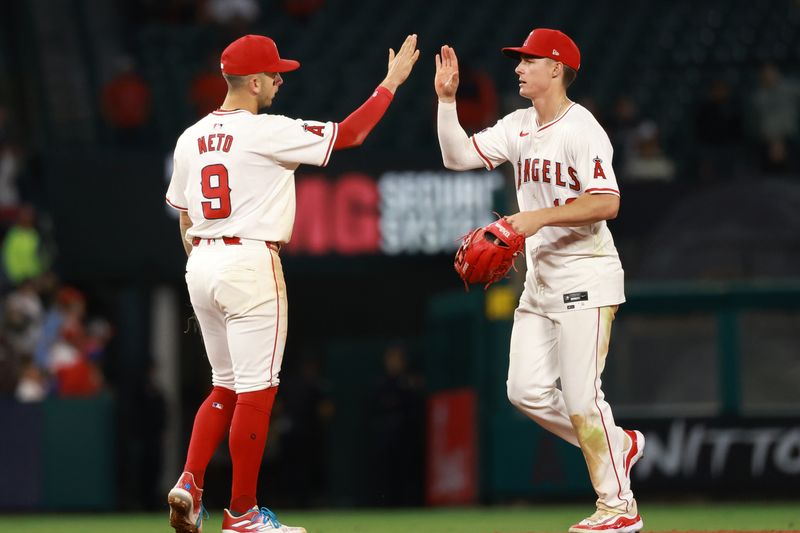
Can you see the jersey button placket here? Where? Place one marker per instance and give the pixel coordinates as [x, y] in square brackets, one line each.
[537, 140]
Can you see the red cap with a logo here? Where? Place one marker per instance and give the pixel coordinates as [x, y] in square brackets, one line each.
[544, 42]
[253, 54]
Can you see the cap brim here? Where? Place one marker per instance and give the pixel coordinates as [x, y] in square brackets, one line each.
[285, 65]
[513, 52]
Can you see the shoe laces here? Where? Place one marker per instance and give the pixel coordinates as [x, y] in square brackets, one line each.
[203, 515]
[267, 516]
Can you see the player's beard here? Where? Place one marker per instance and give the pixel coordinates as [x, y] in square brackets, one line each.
[265, 104]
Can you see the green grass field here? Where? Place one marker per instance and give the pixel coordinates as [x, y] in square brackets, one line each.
[528, 519]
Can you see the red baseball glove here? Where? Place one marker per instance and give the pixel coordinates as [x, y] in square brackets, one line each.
[487, 254]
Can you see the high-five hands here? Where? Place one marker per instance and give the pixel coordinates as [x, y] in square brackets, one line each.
[400, 64]
[446, 80]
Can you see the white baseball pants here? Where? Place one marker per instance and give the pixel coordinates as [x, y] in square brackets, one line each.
[239, 297]
[571, 346]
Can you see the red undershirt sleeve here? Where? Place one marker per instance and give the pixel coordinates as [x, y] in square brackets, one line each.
[355, 128]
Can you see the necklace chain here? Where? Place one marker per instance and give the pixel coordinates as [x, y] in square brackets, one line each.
[558, 113]
[565, 102]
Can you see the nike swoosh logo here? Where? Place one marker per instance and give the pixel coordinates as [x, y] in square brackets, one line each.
[524, 133]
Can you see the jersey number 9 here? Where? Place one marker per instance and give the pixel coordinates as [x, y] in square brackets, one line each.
[214, 183]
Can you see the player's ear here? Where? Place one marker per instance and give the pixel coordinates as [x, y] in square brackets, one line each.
[254, 83]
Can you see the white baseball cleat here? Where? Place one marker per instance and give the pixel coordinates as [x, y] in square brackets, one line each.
[609, 522]
[635, 451]
[186, 510]
[256, 521]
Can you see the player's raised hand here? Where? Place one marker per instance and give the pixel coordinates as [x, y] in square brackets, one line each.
[446, 80]
[400, 64]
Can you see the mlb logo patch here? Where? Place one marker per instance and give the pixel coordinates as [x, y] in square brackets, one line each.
[217, 405]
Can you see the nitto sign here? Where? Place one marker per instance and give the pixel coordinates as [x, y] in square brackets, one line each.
[759, 452]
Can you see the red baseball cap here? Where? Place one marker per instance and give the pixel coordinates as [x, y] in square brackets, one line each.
[253, 54]
[544, 42]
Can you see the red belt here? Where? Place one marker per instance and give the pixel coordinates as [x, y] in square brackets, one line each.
[235, 240]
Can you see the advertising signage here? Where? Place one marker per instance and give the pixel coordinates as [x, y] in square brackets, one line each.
[720, 454]
[408, 212]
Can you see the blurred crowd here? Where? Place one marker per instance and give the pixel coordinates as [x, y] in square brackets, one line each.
[48, 344]
[731, 134]
[734, 132]
[49, 347]
[127, 97]
[230, 15]
[734, 129]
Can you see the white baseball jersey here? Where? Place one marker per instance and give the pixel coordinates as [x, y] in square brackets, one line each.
[554, 163]
[234, 172]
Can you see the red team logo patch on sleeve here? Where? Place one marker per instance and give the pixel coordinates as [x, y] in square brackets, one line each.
[316, 130]
[598, 168]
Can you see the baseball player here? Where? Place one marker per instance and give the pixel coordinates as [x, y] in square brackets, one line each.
[233, 183]
[566, 190]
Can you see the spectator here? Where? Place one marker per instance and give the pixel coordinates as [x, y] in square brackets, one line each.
[477, 103]
[98, 334]
[174, 12]
[4, 129]
[32, 386]
[22, 255]
[75, 374]
[775, 113]
[126, 102]
[69, 306]
[302, 9]
[22, 323]
[208, 88]
[9, 370]
[396, 434]
[305, 410]
[234, 17]
[9, 167]
[147, 424]
[622, 128]
[647, 162]
[718, 126]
